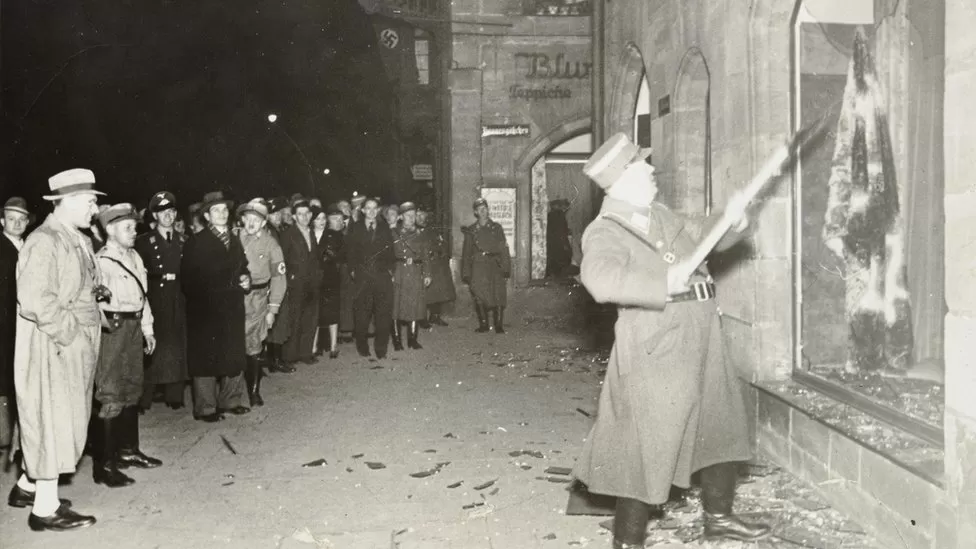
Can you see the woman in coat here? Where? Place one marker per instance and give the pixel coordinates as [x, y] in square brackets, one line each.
[671, 403]
[327, 229]
[410, 278]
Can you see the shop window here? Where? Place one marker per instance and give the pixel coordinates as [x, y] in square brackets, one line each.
[421, 48]
[868, 207]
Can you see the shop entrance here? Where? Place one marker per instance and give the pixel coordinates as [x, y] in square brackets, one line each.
[561, 208]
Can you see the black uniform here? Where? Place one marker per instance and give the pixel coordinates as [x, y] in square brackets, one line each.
[166, 367]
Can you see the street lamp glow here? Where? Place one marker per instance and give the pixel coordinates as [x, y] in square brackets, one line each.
[327, 171]
[272, 118]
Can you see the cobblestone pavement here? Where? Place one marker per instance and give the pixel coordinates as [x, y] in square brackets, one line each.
[445, 447]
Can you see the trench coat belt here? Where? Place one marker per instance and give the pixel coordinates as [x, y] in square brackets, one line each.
[410, 261]
[488, 254]
[163, 276]
[700, 291]
[260, 286]
[123, 315]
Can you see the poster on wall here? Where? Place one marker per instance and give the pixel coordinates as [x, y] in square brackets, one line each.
[557, 7]
[501, 208]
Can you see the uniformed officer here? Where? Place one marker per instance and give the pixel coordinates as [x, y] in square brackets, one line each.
[410, 277]
[161, 251]
[671, 403]
[266, 263]
[441, 290]
[128, 320]
[486, 264]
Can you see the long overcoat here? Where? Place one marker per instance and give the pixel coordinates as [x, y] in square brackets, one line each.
[58, 337]
[162, 259]
[486, 262]
[441, 287]
[412, 255]
[214, 305]
[671, 402]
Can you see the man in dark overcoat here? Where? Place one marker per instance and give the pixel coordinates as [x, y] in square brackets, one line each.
[304, 267]
[162, 251]
[215, 280]
[15, 220]
[441, 290]
[370, 255]
[671, 403]
[486, 265]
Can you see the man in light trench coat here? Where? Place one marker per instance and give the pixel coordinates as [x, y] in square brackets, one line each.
[671, 403]
[58, 338]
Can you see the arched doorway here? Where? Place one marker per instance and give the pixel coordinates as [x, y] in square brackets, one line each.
[561, 208]
[691, 188]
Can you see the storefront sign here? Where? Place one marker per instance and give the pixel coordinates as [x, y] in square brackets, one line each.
[422, 172]
[546, 67]
[516, 91]
[501, 208]
[505, 130]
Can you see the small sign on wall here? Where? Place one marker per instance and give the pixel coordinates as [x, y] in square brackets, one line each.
[664, 105]
[422, 172]
[505, 130]
[501, 208]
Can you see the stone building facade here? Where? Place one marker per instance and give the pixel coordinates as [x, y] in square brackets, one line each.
[728, 82]
[520, 85]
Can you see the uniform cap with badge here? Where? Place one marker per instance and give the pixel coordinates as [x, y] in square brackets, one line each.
[357, 200]
[71, 182]
[257, 206]
[479, 202]
[162, 201]
[118, 212]
[408, 207]
[606, 166]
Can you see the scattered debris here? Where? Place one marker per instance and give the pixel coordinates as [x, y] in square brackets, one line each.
[450, 435]
[375, 465]
[525, 467]
[228, 483]
[473, 505]
[550, 536]
[558, 480]
[228, 445]
[485, 485]
[375, 367]
[538, 375]
[558, 471]
[317, 463]
[430, 451]
[493, 492]
[357, 456]
[348, 469]
[584, 412]
[436, 469]
[456, 484]
[533, 453]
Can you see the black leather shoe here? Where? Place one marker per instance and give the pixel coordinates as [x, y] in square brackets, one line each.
[731, 527]
[209, 418]
[174, 405]
[62, 519]
[135, 458]
[21, 498]
[236, 410]
[282, 367]
[334, 354]
[111, 476]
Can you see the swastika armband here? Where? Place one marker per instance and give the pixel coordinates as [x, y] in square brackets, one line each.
[281, 268]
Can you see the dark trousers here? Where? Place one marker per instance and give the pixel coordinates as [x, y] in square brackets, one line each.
[211, 393]
[305, 308]
[172, 393]
[374, 299]
[119, 374]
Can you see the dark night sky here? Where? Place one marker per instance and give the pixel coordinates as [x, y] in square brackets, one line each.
[174, 94]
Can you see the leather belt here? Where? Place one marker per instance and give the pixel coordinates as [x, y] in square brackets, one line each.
[123, 315]
[410, 261]
[700, 291]
[488, 254]
[260, 286]
[163, 276]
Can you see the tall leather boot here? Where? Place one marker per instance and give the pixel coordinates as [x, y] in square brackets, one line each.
[412, 336]
[105, 466]
[396, 336]
[630, 523]
[258, 374]
[482, 312]
[277, 364]
[718, 493]
[498, 313]
[129, 453]
[252, 378]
